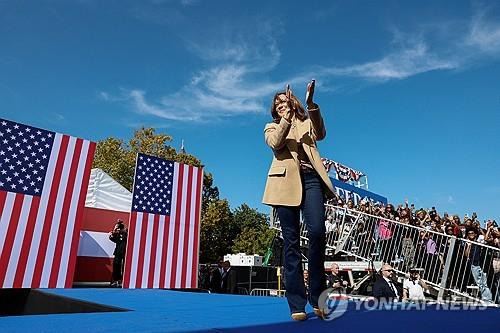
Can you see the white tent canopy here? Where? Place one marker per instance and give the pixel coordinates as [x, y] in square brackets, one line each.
[106, 193]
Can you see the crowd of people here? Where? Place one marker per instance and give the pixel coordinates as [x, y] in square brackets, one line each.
[423, 239]
[429, 219]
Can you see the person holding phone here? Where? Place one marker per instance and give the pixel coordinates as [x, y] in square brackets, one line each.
[297, 181]
[118, 236]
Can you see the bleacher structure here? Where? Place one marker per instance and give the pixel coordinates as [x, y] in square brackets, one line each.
[446, 262]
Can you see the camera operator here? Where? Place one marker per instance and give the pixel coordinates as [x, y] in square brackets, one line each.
[413, 287]
[119, 237]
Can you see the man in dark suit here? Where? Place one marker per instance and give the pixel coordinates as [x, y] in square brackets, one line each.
[229, 279]
[384, 288]
[215, 283]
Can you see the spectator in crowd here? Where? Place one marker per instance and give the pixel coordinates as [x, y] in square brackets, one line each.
[216, 277]
[412, 210]
[229, 279]
[414, 286]
[429, 255]
[334, 280]
[350, 204]
[384, 288]
[457, 226]
[452, 226]
[405, 215]
[204, 277]
[118, 236]
[306, 281]
[385, 225]
[446, 216]
[449, 230]
[492, 236]
[423, 218]
[434, 216]
[474, 257]
[389, 212]
[467, 223]
[493, 239]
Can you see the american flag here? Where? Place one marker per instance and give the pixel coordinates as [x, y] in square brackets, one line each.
[163, 237]
[43, 183]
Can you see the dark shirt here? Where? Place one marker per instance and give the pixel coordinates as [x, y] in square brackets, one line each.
[120, 239]
[474, 255]
[301, 154]
[333, 279]
[215, 281]
[303, 159]
[230, 282]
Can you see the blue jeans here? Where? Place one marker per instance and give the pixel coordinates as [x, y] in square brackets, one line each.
[313, 211]
[480, 279]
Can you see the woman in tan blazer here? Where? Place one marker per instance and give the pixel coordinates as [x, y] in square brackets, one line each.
[297, 181]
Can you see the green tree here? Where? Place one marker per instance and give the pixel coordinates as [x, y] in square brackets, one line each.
[215, 234]
[245, 216]
[210, 192]
[117, 158]
[222, 231]
[113, 156]
[253, 240]
[253, 235]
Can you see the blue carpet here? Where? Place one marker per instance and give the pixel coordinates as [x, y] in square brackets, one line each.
[171, 311]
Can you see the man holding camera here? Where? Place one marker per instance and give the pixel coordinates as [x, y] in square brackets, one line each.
[119, 237]
[413, 287]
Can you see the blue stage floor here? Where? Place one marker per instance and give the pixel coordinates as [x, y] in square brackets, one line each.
[171, 311]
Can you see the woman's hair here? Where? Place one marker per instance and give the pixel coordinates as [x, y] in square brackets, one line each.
[297, 108]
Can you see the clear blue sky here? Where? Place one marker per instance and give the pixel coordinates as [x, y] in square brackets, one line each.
[410, 92]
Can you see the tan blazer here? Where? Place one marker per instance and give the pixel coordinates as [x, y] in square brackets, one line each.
[284, 185]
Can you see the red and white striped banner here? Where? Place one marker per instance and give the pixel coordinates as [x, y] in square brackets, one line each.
[163, 237]
[43, 183]
[94, 262]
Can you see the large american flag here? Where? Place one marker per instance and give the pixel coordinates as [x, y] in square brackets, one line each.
[43, 183]
[164, 228]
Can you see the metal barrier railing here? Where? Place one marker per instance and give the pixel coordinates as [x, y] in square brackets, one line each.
[267, 292]
[453, 266]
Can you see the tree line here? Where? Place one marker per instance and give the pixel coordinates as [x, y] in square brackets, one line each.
[223, 230]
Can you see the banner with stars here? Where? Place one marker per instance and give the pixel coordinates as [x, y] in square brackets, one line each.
[164, 226]
[43, 183]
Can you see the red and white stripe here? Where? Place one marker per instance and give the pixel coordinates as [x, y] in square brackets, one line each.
[162, 251]
[39, 235]
[94, 262]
